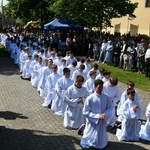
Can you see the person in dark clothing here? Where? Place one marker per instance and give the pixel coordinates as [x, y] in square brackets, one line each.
[116, 54]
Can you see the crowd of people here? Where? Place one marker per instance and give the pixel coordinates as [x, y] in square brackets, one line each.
[85, 96]
[124, 51]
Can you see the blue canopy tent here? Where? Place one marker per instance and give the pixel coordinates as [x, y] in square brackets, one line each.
[62, 24]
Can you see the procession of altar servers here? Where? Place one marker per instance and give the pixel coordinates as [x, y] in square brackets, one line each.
[68, 87]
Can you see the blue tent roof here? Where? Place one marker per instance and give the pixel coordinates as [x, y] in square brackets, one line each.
[62, 24]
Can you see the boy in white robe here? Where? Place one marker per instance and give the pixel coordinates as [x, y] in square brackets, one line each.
[58, 105]
[111, 89]
[124, 97]
[97, 109]
[44, 74]
[71, 58]
[72, 67]
[106, 76]
[33, 63]
[50, 86]
[100, 76]
[131, 113]
[60, 68]
[58, 60]
[87, 66]
[36, 72]
[74, 97]
[79, 71]
[26, 73]
[95, 68]
[23, 58]
[145, 129]
[89, 84]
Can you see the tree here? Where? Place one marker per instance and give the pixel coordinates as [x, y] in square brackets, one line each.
[27, 10]
[93, 13]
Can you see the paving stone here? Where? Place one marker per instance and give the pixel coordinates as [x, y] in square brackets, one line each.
[26, 125]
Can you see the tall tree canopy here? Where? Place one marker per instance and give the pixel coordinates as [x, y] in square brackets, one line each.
[97, 13]
[29, 10]
[88, 13]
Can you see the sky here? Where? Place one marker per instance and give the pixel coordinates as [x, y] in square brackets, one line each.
[4, 2]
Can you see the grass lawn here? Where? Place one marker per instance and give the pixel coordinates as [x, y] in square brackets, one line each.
[141, 82]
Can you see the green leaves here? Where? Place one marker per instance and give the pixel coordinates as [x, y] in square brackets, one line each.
[92, 13]
[88, 13]
[28, 10]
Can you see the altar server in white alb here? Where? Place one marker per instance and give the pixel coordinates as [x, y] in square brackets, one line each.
[124, 97]
[75, 97]
[33, 63]
[131, 112]
[71, 58]
[79, 71]
[26, 73]
[58, 105]
[50, 86]
[145, 129]
[97, 109]
[111, 89]
[87, 66]
[44, 74]
[60, 68]
[72, 67]
[89, 84]
[23, 58]
[36, 72]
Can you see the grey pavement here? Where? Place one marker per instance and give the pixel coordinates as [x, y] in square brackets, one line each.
[26, 125]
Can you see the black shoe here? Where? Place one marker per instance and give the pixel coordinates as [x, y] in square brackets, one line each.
[81, 129]
[114, 128]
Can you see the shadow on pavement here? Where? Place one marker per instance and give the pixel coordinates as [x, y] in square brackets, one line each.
[35, 140]
[123, 146]
[40, 140]
[7, 67]
[8, 115]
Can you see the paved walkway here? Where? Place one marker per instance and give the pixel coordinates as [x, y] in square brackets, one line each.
[26, 125]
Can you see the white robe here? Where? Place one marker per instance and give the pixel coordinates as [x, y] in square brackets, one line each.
[21, 60]
[36, 71]
[89, 84]
[45, 72]
[70, 60]
[26, 69]
[114, 94]
[95, 129]
[97, 73]
[58, 105]
[76, 73]
[58, 62]
[145, 129]
[105, 79]
[33, 63]
[73, 117]
[50, 88]
[123, 98]
[100, 77]
[130, 125]
[13, 50]
[60, 69]
[18, 56]
[72, 70]
[87, 68]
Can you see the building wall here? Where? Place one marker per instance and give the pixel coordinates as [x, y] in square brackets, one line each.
[141, 24]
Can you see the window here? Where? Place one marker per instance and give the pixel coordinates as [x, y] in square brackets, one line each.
[147, 4]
